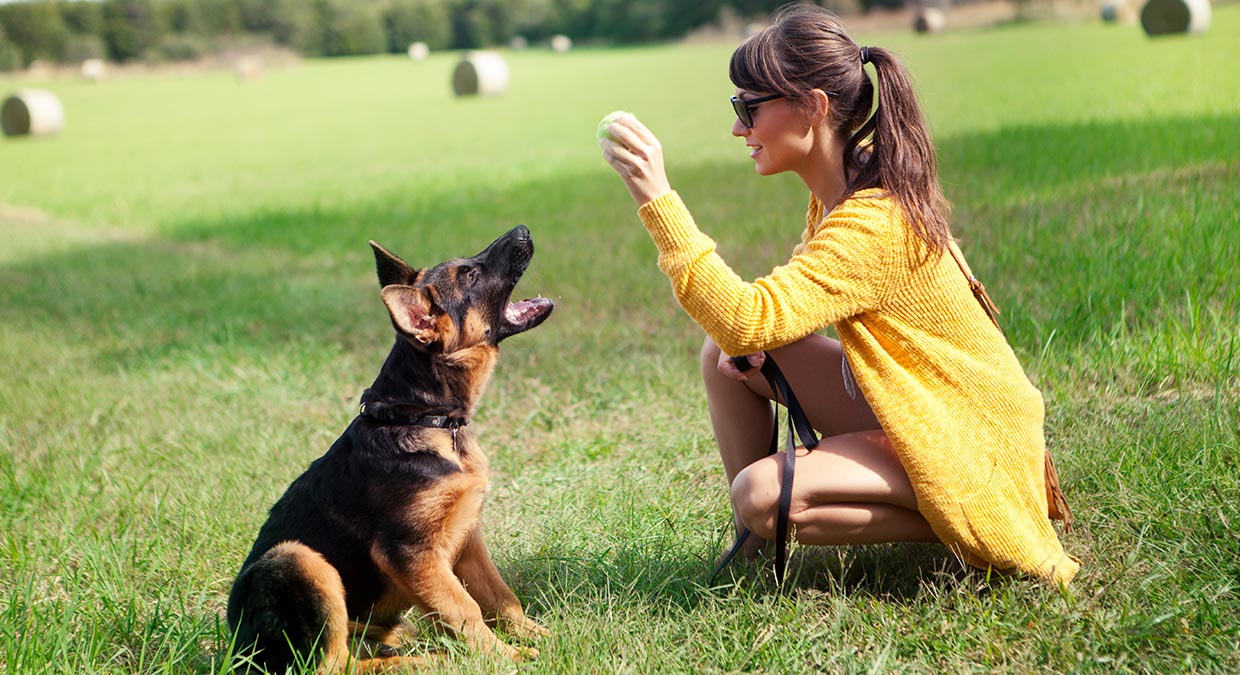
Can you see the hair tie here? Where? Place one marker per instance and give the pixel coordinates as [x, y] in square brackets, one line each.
[865, 55]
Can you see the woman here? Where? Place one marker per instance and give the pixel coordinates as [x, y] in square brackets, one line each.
[932, 431]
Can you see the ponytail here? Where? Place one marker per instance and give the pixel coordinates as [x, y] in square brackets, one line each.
[893, 150]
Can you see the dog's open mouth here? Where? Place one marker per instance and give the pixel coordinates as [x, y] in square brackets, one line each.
[528, 313]
[524, 315]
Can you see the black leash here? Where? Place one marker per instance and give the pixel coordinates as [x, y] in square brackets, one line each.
[798, 423]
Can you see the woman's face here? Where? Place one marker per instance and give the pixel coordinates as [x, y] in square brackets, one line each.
[780, 138]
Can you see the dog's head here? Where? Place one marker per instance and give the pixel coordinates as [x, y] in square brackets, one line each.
[464, 302]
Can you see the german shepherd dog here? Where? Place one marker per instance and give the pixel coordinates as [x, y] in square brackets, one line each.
[388, 519]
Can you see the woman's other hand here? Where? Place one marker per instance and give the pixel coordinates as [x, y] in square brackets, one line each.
[637, 157]
[728, 368]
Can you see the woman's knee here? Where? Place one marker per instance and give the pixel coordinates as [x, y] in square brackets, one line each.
[755, 496]
[710, 358]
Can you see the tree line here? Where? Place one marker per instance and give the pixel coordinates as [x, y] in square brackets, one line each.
[71, 31]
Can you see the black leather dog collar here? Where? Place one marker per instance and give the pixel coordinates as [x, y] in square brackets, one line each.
[387, 414]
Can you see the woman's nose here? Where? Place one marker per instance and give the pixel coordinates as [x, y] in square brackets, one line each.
[739, 130]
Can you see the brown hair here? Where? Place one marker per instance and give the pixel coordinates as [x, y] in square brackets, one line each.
[806, 48]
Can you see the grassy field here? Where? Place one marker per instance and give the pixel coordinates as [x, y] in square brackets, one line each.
[189, 313]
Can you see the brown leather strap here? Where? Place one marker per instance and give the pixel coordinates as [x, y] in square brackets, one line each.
[979, 290]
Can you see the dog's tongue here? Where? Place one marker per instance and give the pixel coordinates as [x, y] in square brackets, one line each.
[520, 313]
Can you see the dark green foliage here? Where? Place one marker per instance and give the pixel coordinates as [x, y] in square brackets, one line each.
[629, 20]
[346, 29]
[482, 23]
[288, 22]
[756, 7]
[184, 16]
[82, 18]
[35, 28]
[130, 27]
[80, 47]
[181, 46]
[408, 21]
[682, 17]
[10, 55]
[219, 17]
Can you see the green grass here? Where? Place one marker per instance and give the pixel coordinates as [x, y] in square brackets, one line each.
[189, 314]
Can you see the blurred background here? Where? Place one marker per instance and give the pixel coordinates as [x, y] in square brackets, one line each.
[58, 32]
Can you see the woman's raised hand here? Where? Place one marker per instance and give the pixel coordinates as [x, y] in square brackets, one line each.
[637, 156]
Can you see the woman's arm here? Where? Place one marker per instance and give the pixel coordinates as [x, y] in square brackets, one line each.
[836, 273]
[841, 271]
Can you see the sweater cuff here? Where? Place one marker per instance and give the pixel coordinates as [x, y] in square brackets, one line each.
[669, 222]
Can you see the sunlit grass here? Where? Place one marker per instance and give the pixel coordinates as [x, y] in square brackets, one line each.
[190, 313]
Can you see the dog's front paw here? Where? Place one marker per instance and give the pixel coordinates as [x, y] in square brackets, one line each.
[525, 654]
[524, 627]
[516, 653]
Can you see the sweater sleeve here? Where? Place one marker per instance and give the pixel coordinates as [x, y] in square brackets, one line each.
[838, 271]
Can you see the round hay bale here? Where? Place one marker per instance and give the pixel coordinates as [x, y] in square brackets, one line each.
[929, 20]
[32, 112]
[518, 42]
[94, 69]
[561, 43]
[481, 74]
[418, 51]
[1168, 17]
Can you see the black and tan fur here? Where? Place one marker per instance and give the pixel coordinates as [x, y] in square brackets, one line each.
[388, 519]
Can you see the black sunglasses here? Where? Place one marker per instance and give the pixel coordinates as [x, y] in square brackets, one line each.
[744, 109]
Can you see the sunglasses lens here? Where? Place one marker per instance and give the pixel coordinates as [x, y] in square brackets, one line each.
[742, 112]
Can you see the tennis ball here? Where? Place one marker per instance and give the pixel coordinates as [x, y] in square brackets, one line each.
[612, 116]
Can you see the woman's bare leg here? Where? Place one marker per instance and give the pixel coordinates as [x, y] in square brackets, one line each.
[740, 412]
[851, 489]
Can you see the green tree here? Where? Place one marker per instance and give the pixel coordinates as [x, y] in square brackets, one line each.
[35, 28]
[180, 46]
[483, 23]
[289, 22]
[681, 17]
[535, 19]
[82, 47]
[219, 17]
[629, 20]
[574, 18]
[755, 8]
[471, 27]
[346, 28]
[409, 21]
[82, 18]
[183, 16]
[130, 28]
[10, 55]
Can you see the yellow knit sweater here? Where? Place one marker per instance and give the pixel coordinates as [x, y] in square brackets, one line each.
[944, 383]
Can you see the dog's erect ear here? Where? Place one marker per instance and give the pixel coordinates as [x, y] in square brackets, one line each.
[392, 270]
[412, 312]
